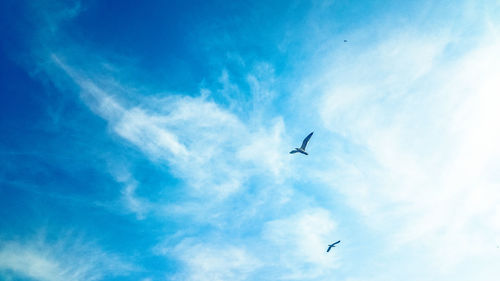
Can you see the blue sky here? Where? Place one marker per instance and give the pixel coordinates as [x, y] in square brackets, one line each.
[150, 141]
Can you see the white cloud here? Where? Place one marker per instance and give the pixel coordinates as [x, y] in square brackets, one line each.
[207, 261]
[68, 258]
[266, 150]
[204, 144]
[423, 127]
[301, 241]
[134, 204]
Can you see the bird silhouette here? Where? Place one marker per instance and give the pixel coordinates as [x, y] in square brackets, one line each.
[332, 246]
[302, 148]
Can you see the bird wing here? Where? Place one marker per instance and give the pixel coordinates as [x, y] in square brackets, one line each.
[306, 140]
[294, 151]
[329, 248]
[336, 243]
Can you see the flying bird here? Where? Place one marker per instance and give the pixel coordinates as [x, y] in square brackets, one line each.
[302, 148]
[345, 40]
[332, 246]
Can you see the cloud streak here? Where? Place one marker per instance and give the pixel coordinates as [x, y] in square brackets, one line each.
[69, 258]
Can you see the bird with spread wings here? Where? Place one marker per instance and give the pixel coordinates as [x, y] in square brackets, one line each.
[332, 246]
[302, 148]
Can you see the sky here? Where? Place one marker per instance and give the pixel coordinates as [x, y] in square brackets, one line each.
[150, 140]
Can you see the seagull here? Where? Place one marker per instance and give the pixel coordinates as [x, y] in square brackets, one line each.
[302, 149]
[332, 246]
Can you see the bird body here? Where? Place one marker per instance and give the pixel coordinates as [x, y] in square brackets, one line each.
[302, 148]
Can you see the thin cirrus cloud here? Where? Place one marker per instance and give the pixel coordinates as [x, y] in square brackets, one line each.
[191, 135]
[212, 261]
[68, 258]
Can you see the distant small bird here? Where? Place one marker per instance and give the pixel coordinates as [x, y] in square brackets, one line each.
[345, 40]
[302, 148]
[332, 246]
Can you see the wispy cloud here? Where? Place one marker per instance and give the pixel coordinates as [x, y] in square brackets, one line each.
[205, 144]
[133, 203]
[67, 258]
[300, 241]
[211, 261]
